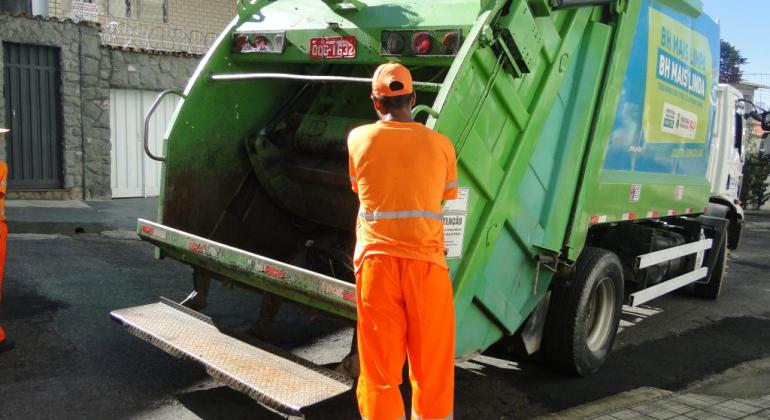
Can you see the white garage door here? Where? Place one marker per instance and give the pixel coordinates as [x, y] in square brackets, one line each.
[133, 173]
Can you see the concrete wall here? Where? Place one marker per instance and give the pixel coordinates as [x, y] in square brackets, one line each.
[207, 16]
[142, 70]
[89, 70]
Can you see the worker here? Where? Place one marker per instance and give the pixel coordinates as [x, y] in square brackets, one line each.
[5, 342]
[402, 171]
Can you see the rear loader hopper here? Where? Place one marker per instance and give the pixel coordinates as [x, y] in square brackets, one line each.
[571, 203]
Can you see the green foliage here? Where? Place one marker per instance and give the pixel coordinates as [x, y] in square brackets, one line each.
[730, 62]
[756, 170]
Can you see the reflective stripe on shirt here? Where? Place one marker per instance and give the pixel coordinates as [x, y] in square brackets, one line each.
[403, 214]
[450, 185]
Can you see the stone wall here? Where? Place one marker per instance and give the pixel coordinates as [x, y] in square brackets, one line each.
[143, 70]
[89, 70]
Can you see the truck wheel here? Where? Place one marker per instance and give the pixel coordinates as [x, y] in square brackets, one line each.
[584, 313]
[713, 288]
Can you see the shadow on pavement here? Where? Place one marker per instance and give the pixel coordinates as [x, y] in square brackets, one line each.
[224, 403]
[532, 389]
[498, 386]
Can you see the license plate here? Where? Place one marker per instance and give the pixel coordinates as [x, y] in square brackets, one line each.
[333, 47]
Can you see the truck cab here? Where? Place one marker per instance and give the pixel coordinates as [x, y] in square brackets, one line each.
[725, 170]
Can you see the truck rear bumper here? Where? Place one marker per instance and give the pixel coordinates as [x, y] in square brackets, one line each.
[295, 283]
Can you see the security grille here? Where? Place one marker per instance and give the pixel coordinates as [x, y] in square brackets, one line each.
[33, 113]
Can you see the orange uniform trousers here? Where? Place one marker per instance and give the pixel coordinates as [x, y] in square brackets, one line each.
[405, 308]
[3, 240]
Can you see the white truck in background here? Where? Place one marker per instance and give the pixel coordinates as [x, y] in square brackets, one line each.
[725, 169]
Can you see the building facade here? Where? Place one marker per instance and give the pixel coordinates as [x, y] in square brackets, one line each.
[70, 87]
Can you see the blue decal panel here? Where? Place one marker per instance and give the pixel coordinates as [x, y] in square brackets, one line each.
[666, 111]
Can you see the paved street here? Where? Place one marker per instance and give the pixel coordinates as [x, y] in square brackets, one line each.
[72, 361]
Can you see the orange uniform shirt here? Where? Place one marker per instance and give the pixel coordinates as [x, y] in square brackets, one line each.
[402, 172]
[3, 188]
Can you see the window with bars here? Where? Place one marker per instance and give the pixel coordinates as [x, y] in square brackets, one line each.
[149, 10]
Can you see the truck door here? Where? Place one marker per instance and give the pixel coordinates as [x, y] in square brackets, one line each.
[518, 104]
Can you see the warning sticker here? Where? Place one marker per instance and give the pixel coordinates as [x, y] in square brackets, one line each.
[679, 193]
[455, 217]
[635, 194]
[460, 204]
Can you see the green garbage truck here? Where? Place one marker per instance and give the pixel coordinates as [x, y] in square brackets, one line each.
[582, 130]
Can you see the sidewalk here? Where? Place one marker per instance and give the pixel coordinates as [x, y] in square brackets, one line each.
[742, 392]
[70, 217]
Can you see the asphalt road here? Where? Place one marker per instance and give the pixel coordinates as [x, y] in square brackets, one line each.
[72, 361]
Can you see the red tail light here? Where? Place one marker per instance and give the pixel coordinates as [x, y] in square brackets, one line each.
[421, 43]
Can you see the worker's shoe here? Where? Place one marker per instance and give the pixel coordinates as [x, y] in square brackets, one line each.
[6, 345]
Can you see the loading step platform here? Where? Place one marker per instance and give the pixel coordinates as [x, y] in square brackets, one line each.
[279, 381]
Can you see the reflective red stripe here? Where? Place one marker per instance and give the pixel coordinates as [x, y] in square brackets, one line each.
[349, 296]
[274, 272]
[196, 247]
[629, 216]
[595, 220]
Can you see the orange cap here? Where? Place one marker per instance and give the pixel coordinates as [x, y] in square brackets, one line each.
[392, 79]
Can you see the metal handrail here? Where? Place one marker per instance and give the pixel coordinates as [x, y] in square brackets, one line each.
[147, 117]
[424, 108]
[423, 86]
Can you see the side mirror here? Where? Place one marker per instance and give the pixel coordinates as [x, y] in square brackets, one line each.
[766, 121]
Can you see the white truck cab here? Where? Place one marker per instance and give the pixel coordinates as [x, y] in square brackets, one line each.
[725, 170]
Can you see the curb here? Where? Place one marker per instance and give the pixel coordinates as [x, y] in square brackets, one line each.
[610, 404]
[126, 235]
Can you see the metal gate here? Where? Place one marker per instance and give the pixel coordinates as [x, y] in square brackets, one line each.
[33, 110]
[133, 173]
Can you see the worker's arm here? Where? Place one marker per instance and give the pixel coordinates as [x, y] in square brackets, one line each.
[351, 163]
[352, 172]
[3, 180]
[450, 188]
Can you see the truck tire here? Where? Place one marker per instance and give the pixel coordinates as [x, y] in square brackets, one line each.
[584, 314]
[713, 288]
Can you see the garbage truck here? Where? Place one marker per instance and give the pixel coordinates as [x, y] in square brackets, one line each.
[582, 130]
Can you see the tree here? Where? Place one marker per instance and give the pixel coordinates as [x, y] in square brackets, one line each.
[756, 171]
[730, 62]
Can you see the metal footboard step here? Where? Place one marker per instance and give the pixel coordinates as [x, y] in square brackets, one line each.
[270, 378]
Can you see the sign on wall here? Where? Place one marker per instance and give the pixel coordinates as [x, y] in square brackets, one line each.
[82, 10]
